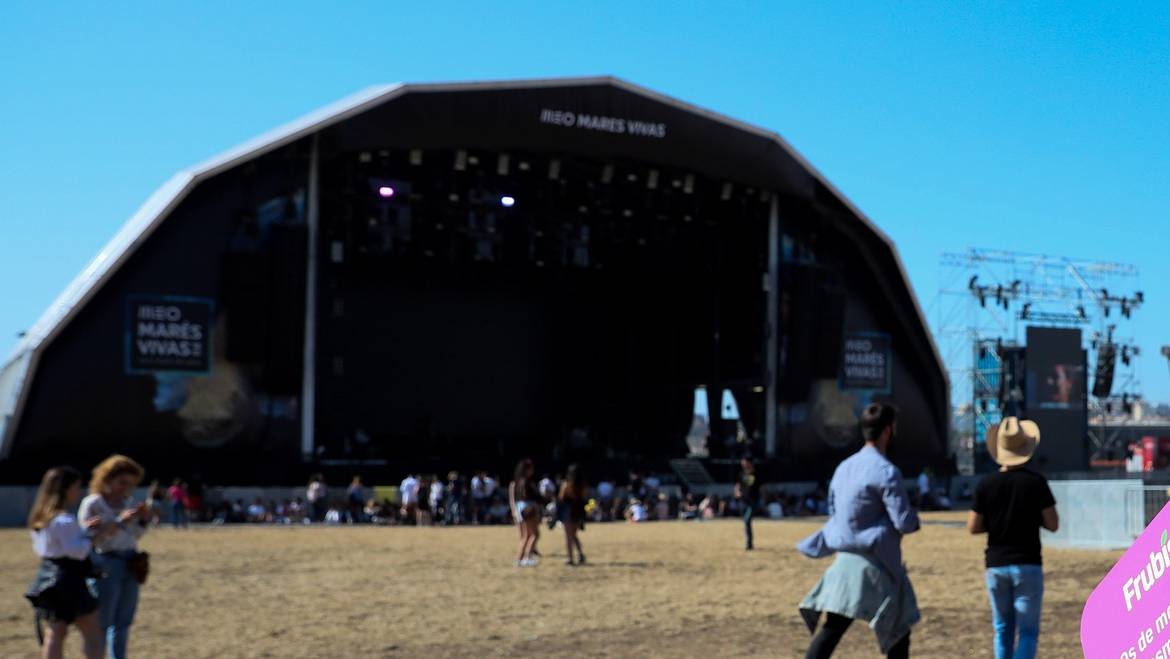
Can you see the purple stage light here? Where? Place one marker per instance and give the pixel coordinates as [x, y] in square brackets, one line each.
[507, 202]
[385, 192]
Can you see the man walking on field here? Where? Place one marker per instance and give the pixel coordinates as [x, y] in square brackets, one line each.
[1010, 507]
[869, 513]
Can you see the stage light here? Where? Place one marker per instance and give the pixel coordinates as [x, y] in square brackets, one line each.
[689, 183]
[365, 156]
[523, 166]
[507, 202]
[452, 197]
[415, 157]
[460, 160]
[472, 160]
[628, 213]
[607, 174]
[385, 192]
[554, 169]
[502, 164]
[652, 179]
[631, 177]
[725, 194]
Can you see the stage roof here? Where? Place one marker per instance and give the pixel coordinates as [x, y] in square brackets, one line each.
[699, 138]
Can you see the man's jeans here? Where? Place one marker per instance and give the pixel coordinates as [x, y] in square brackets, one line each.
[1016, 592]
[118, 600]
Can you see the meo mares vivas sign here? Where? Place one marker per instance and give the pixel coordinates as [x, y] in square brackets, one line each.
[865, 361]
[168, 333]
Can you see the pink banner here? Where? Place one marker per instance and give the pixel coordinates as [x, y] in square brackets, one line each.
[1128, 614]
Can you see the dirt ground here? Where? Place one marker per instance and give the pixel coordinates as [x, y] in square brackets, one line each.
[678, 589]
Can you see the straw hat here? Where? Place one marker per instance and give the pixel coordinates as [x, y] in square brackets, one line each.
[1013, 441]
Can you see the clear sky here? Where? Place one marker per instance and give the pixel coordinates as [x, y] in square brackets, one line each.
[1026, 126]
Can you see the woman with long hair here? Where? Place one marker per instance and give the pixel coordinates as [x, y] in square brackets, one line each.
[110, 502]
[524, 499]
[59, 593]
[571, 511]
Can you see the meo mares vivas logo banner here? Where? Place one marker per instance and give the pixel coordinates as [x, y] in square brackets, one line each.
[168, 333]
[1128, 614]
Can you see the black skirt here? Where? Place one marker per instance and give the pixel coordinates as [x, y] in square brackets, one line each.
[59, 592]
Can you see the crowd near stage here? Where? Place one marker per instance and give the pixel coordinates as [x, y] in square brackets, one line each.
[426, 277]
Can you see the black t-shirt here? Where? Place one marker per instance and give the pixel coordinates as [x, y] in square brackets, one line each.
[751, 487]
[1010, 502]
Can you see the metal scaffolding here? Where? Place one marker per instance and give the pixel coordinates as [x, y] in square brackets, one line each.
[986, 300]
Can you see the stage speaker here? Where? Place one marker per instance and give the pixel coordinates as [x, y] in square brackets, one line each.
[1103, 377]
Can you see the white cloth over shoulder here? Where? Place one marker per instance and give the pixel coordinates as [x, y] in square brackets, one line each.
[62, 538]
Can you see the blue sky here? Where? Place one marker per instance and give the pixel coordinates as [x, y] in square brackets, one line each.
[1025, 126]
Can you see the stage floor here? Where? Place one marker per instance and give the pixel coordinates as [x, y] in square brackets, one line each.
[679, 589]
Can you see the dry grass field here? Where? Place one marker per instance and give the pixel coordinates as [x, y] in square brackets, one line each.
[676, 589]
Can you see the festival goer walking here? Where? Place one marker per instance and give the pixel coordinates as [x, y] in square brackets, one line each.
[154, 495]
[58, 593]
[355, 496]
[110, 501]
[869, 513]
[453, 510]
[317, 495]
[408, 495]
[524, 501]
[177, 493]
[479, 497]
[435, 498]
[749, 497]
[1011, 506]
[571, 511]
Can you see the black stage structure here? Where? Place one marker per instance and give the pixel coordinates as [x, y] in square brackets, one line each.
[437, 276]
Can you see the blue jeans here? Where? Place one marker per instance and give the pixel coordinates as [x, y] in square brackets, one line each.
[1016, 592]
[178, 514]
[118, 600]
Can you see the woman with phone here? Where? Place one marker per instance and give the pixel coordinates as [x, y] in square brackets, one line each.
[110, 502]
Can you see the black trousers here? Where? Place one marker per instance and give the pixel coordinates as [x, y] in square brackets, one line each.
[829, 636]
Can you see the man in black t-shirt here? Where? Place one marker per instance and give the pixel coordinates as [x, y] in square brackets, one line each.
[748, 492]
[1011, 506]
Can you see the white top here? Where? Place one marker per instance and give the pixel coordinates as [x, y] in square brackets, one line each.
[490, 485]
[436, 492]
[127, 535]
[478, 488]
[316, 491]
[547, 488]
[409, 490]
[62, 538]
[923, 483]
[638, 513]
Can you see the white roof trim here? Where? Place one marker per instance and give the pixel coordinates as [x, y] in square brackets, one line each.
[156, 208]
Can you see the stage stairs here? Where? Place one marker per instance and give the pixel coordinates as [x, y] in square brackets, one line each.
[692, 473]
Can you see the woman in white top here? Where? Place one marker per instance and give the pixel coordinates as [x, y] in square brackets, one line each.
[110, 502]
[59, 593]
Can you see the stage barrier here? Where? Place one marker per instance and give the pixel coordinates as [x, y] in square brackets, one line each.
[1103, 514]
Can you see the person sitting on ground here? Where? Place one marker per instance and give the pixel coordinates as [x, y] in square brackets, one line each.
[636, 512]
[256, 512]
[775, 508]
[497, 511]
[709, 506]
[662, 507]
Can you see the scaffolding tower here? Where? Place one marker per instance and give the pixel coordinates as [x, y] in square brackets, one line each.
[986, 300]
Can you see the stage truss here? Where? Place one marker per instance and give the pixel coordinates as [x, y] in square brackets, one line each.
[987, 298]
